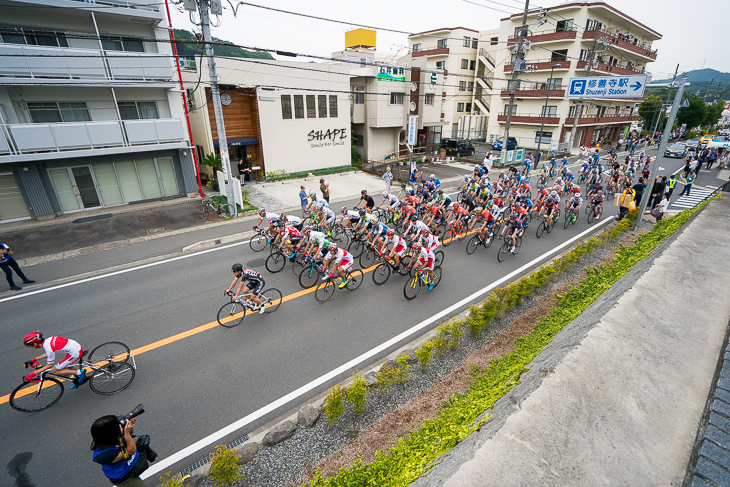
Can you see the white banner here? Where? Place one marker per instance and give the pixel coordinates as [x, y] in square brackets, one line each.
[412, 129]
[236, 187]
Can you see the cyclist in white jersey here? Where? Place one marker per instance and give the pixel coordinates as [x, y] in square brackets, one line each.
[70, 349]
[342, 260]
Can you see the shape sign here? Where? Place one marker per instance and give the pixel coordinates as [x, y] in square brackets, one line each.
[607, 87]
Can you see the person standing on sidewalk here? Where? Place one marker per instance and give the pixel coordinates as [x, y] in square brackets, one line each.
[625, 200]
[325, 189]
[388, 178]
[688, 184]
[658, 191]
[243, 171]
[639, 188]
[711, 159]
[303, 199]
[6, 263]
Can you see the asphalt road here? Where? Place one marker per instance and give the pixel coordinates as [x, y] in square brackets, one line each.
[196, 385]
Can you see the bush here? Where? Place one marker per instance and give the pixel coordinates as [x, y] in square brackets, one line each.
[357, 393]
[424, 354]
[214, 161]
[334, 405]
[690, 135]
[390, 374]
[169, 481]
[224, 467]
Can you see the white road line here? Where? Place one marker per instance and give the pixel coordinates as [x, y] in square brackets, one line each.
[163, 464]
[123, 271]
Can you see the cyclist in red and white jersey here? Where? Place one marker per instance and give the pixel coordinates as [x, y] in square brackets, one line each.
[51, 346]
[399, 246]
[289, 236]
[426, 260]
[429, 240]
[342, 259]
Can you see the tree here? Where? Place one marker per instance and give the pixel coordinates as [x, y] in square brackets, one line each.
[714, 112]
[693, 115]
[648, 110]
[192, 49]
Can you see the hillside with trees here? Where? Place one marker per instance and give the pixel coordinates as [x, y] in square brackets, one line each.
[194, 48]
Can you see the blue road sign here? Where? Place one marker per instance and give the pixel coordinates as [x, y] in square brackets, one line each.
[608, 86]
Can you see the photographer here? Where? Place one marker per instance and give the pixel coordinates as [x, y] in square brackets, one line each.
[122, 458]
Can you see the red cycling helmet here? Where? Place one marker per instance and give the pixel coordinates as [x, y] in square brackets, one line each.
[33, 337]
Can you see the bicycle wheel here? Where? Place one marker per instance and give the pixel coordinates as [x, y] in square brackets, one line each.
[518, 244]
[437, 272]
[368, 258]
[448, 237]
[354, 279]
[405, 265]
[473, 244]
[298, 265]
[325, 291]
[231, 314]
[540, 230]
[411, 288]
[462, 232]
[258, 243]
[309, 277]
[356, 248]
[439, 254]
[381, 273]
[275, 262]
[111, 351]
[272, 297]
[503, 251]
[30, 397]
[568, 217]
[111, 378]
[588, 208]
[591, 215]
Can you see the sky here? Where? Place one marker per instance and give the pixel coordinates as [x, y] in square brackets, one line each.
[693, 32]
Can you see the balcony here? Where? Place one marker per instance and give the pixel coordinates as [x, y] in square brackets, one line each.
[634, 45]
[604, 120]
[435, 51]
[84, 66]
[530, 119]
[540, 90]
[541, 65]
[556, 35]
[60, 140]
[626, 69]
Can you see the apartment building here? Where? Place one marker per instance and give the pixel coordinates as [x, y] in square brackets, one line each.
[455, 50]
[385, 93]
[561, 43]
[90, 113]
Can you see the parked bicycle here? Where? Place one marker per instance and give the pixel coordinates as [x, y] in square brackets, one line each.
[210, 206]
[233, 312]
[110, 368]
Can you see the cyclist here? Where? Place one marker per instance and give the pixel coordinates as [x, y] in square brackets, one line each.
[399, 246]
[316, 199]
[327, 215]
[558, 185]
[564, 161]
[369, 201]
[426, 258]
[251, 282]
[575, 201]
[429, 240]
[442, 200]
[436, 182]
[552, 203]
[597, 203]
[553, 165]
[526, 167]
[350, 218]
[414, 226]
[515, 229]
[315, 241]
[366, 218]
[72, 350]
[343, 260]
[272, 217]
[289, 236]
[393, 203]
[489, 215]
[435, 216]
[569, 178]
[377, 232]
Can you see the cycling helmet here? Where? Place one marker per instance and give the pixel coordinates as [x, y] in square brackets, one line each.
[362, 212]
[476, 166]
[284, 218]
[433, 176]
[600, 191]
[262, 212]
[333, 248]
[32, 337]
[411, 193]
[385, 194]
[236, 267]
[390, 232]
[542, 186]
[306, 230]
[513, 216]
[364, 191]
[343, 210]
[403, 185]
[413, 218]
[425, 231]
[419, 187]
[319, 206]
[429, 204]
[440, 192]
[457, 206]
[313, 195]
[416, 247]
[553, 193]
[490, 203]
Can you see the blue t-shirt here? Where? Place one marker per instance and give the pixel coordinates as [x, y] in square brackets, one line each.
[116, 470]
[4, 258]
[303, 197]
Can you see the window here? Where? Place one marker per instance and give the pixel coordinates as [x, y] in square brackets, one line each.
[564, 25]
[459, 107]
[470, 86]
[130, 110]
[467, 41]
[34, 37]
[417, 47]
[593, 25]
[286, 107]
[359, 95]
[601, 111]
[122, 44]
[514, 109]
[322, 105]
[518, 29]
[440, 64]
[472, 65]
[494, 41]
[311, 108]
[571, 111]
[464, 64]
[462, 85]
[583, 55]
[543, 137]
[358, 140]
[554, 83]
[549, 111]
[333, 106]
[298, 106]
[441, 44]
[428, 99]
[559, 55]
[474, 43]
[468, 108]
[396, 98]
[58, 112]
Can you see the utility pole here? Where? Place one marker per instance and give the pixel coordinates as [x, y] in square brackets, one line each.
[519, 66]
[579, 106]
[669, 95]
[217, 108]
[660, 154]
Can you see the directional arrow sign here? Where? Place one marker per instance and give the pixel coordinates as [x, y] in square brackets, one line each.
[607, 87]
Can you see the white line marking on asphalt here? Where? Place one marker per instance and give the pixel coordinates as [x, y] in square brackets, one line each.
[123, 271]
[166, 463]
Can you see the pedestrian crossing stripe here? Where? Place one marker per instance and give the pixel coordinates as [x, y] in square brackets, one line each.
[697, 196]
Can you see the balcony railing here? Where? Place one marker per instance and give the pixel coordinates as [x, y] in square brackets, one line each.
[541, 65]
[605, 119]
[626, 69]
[151, 5]
[551, 36]
[434, 51]
[40, 62]
[18, 139]
[484, 103]
[624, 41]
[530, 118]
[483, 52]
[540, 92]
[486, 80]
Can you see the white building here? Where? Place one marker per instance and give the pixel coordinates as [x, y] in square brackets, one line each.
[90, 113]
[279, 115]
[562, 42]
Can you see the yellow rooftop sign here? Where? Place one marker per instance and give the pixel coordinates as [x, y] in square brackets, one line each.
[360, 38]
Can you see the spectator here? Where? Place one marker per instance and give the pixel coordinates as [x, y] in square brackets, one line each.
[620, 143]
[658, 191]
[625, 201]
[303, 199]
[688, 184]
[711, 158]
[244, 173]
[639, 188]
[388, 178]
[659, 209]
[723, 160]
[6, 263]
[414, 177]
[325, 189]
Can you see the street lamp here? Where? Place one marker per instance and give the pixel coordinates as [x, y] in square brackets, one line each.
[547, 98]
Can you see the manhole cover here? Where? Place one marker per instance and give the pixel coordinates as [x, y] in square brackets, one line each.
[155, 230]
[148, 217]
[256, 263]
[83, 227]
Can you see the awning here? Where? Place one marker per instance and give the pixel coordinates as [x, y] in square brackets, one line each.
[238, 141]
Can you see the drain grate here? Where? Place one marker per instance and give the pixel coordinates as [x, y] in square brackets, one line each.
[83, 227]
[148, 217]
[190, 469]
[256, 263]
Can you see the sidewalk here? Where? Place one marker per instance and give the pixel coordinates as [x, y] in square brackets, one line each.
[618, 397]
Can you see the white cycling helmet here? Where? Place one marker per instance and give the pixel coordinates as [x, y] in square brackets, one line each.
[385, 194]
[433, 176]
[553, 193]
[319, 206]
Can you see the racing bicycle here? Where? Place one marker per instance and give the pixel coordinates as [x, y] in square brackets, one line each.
[233, 312]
